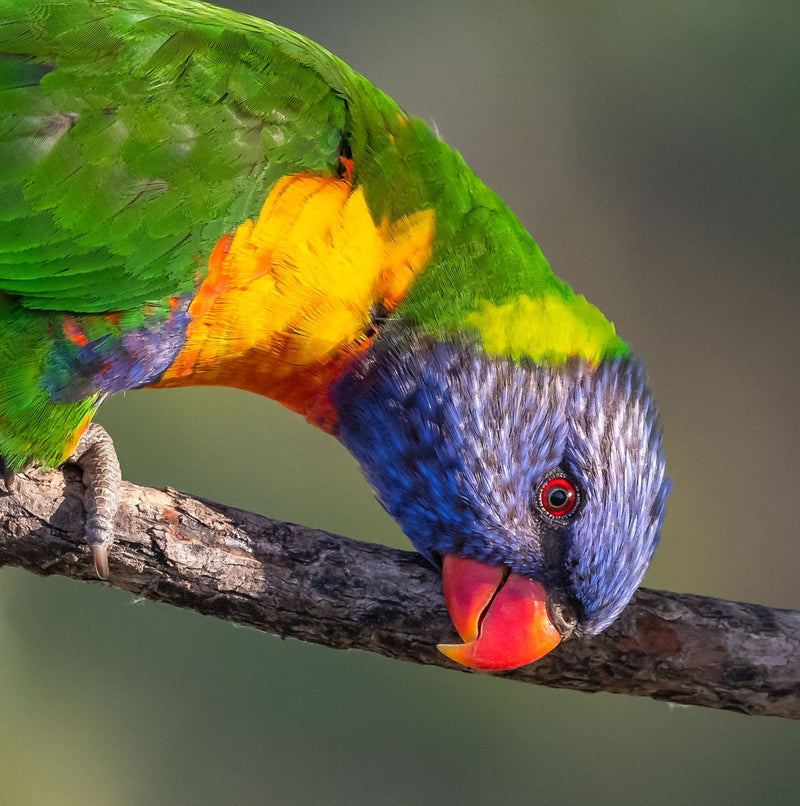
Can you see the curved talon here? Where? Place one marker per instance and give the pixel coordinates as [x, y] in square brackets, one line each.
[100, 555]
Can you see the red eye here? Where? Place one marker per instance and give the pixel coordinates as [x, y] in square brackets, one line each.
[558, 497]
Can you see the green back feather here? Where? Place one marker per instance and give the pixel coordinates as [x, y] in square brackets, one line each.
[134, 135]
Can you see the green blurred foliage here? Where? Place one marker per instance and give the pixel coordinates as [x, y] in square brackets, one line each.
[652, 150]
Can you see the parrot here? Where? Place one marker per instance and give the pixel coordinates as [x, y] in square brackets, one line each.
[193, 196]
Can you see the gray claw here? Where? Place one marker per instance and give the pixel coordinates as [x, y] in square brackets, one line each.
[100, 554]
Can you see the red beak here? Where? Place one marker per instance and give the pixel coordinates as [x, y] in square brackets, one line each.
[501, 616]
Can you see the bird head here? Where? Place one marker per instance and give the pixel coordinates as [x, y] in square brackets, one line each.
[539, 490]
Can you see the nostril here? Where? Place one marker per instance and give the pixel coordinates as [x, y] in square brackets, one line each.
[563, 617]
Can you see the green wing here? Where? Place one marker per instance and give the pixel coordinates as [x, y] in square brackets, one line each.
[134, 134]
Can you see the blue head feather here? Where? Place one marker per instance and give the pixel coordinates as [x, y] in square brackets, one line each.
[456, 444]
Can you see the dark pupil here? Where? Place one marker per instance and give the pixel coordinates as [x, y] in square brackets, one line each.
[557, 498]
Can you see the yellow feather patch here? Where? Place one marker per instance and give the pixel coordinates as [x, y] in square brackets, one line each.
[549, 329]
[70, 447]
[292, 292]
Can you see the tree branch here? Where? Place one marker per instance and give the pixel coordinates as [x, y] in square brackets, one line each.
[319, 587]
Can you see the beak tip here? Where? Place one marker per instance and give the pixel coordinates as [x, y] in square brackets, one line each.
[456, 652]
[470, 655]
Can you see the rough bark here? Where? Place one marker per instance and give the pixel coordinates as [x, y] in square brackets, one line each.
[308, 584]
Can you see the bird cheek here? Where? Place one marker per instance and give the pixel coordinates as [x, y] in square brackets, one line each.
[502, 617]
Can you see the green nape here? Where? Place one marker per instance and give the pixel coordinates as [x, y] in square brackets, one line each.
[487, 275]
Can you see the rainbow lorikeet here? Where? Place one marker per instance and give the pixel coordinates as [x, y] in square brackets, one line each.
[193, 196]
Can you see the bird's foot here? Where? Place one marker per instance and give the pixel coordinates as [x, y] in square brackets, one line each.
[96, 457]
[8, 476]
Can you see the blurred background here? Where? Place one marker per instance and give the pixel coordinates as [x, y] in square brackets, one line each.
[652, 150]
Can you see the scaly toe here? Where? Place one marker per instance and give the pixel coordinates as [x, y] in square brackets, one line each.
[101, 478]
